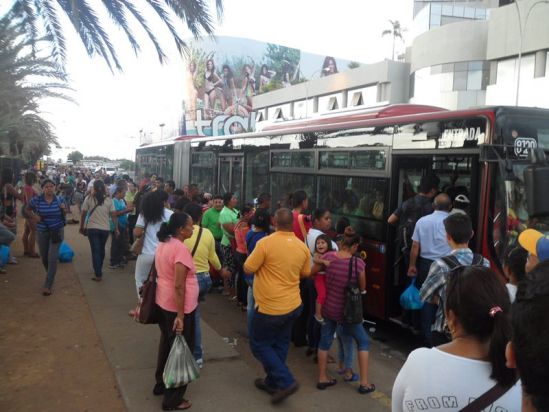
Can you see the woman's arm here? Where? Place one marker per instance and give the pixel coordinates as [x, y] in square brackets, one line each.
[179, 291]
[11, 190]
[362, 281]
[316, 268]
[229, 227]
[219, 80]
[138, 231]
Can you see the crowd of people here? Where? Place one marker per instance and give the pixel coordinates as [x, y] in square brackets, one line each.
[485, 342]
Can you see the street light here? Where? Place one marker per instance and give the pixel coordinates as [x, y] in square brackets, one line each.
[521, 32]
[161, 130]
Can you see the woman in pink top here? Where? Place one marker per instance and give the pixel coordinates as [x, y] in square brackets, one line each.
[240, 231]
[177, 296]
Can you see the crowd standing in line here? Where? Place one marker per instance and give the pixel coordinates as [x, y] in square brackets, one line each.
[290, 272]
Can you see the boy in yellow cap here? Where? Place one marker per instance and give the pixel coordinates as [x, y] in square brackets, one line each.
[537, 245]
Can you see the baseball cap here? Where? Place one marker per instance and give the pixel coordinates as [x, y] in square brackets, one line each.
[462, 199]
[535, 243]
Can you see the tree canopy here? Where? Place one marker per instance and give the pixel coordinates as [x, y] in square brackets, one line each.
[45, 17]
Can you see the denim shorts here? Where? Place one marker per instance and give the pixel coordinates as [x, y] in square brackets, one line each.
[204, 284]
[355, 330]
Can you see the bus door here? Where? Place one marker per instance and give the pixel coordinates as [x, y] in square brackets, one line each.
[230, 177]
[458, 173]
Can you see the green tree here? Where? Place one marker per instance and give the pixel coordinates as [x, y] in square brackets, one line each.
[25, 78]
[75, 156]
[45, 16]
[396, 32]
[353, 65]
[127, 164]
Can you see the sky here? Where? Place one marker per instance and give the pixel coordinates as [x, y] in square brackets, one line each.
[113, 110]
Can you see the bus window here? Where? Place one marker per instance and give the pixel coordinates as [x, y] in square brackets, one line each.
[257, 175]
[360, 199]
[284, 184]
[203, 171]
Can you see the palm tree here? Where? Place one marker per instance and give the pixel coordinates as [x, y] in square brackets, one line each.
[396, 31]
[45, 16]
[25, 78]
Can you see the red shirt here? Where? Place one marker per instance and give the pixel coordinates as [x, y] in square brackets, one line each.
[297, 227]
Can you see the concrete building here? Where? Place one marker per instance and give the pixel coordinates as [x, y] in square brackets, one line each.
[463, 54]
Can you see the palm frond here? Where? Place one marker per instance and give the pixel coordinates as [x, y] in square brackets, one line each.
[46, 9]
[118, 15]
[386, 32]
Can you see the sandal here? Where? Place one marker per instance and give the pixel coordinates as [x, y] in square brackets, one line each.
[324, 385]
[96, 279]
[33, 255]
[363, 390]
[46, 292]
[184, 405]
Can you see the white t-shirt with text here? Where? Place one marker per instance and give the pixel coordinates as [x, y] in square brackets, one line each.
[433, 380]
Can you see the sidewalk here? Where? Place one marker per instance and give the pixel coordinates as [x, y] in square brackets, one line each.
[79, 350]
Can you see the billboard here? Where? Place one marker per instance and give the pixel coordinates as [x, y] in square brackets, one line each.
[222, 76]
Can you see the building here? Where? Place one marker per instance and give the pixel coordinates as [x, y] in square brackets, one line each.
[463, 54]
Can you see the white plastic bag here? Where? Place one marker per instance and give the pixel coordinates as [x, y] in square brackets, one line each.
[181, 368]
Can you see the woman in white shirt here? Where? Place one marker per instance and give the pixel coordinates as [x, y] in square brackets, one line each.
[449, 377]
[153, 214]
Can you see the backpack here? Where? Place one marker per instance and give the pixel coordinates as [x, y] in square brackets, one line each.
[453, 263]
[411, 213]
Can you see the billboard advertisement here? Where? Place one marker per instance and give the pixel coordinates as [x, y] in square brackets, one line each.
[223, 76]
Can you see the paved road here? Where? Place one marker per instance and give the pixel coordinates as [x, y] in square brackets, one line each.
[226, 383]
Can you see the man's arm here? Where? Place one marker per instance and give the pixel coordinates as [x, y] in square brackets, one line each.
[255, 260]
[393, 219]
[414, 253]
[306, 268]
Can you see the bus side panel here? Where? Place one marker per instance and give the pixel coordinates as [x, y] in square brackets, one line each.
[181, 163]
[375, 278]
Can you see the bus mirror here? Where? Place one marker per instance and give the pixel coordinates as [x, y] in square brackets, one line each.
[537, 198]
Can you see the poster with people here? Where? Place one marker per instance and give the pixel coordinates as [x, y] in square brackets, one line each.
[222, 77]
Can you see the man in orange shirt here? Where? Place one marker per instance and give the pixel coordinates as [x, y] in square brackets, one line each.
[278, 261]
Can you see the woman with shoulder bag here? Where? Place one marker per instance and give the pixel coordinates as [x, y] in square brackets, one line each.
[153, 213]
[177, 297]
[343, 267]
[97, 212]
[48, 211]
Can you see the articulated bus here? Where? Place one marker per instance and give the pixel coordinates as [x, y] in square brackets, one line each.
[362, 165]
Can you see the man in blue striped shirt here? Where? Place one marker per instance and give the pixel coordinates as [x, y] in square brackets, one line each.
[459, 230]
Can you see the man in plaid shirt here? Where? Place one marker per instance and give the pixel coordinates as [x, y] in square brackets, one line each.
[459, 231]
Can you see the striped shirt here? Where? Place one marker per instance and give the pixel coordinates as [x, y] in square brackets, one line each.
[337, 276]
[51, 215]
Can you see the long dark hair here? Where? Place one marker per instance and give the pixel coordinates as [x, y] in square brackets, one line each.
[152, 206]
[297, 198]
[262, 220]
[168, 229]
[481, 304]
[6, 176]
[99, 191]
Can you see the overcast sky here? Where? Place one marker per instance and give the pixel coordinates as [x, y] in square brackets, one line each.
[112, 108]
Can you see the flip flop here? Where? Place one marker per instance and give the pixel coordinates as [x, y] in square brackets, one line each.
[363, 390]
[96, 279]
[324, 385]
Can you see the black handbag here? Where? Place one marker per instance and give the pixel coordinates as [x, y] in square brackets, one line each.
[352, 309]
[148, 311]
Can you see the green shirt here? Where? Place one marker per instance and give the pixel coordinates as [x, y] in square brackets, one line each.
[227, 216]
[210, 220]
[129, 198]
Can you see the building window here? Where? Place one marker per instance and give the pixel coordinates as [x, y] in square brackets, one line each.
[460, 81]
[332, 103]
[357, 99]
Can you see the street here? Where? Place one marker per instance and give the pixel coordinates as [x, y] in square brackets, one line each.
[79, 350]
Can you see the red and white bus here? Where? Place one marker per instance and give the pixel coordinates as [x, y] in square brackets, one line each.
[362, 165]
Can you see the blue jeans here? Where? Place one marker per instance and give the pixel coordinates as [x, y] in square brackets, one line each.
[355, 331]
[204, 286]
[270, 342]
[345, 350]
[98, 240]
[428, 311]
[250, 308]
[49, 252]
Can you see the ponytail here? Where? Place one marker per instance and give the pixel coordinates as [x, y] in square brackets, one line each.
[169, 229]
[481, 305]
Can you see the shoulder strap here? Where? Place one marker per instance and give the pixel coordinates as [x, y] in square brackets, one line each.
[197, 241]
[351, 269]
[486, 399]
[478, 260]
[451, 261]
[300, 218]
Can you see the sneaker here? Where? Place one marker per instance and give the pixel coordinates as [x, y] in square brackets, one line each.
[261, 385]
[116, 266]
[282, 394]
[200, 363]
